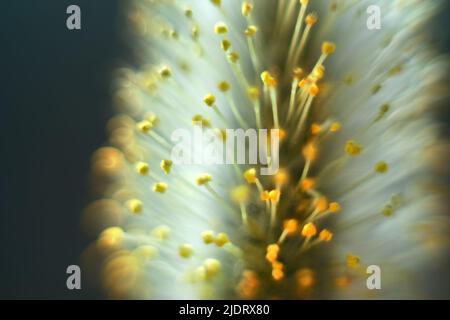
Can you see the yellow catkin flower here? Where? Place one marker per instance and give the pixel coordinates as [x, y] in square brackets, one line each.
[160, 187]
[144, 126]
[142, 168]
[220, 28]
[251, 31]
[381, 167]
[204, 179]
[307, 184]
[209, 99]
[352, 261]
[325, 235]
[352, 148]
[328, 48]
[309, 230]
[135, 206]
[291, 226]
[212, 267]
[246, 8]
[161, 232]
[221, 239]
[166, 165]
[223, 86]
[334, 207]
[208, 236]
[185, 250]
[250, 175]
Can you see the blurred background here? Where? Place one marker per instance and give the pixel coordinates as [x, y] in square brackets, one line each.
[54, 104]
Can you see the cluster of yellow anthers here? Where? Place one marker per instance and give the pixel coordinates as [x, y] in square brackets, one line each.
[302, 193]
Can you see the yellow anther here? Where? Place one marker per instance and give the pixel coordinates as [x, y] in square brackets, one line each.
[325, 235]
[221, 239]
[388, 210]
[208, 236]
[212, 267]
[334, 207]
[305, 278]
[268, 79]
[165, 72]
[246, 8]
[328, 48]
[142, 168]
[249, 285]
[282, 177]
[274, 195]
[311, 19]
[217, 2]
[144, 126]
[309, 230]
[225, 44]
[277, 265]
[314, 90]
[352, 261]
[309, 151]
[307, 184]
[297, 73]
[277, 274]
[209, 99]
[166, 165]
[281, 134]
[160, 187]
[291, 226]
[223, 86]
[188, 12]
[204, 179]
[250, 31]
[240, 194]
[335, 126]
[161, 232]
[199, 120]
[111, 237]
[273, 248]
[250, 175]
[315, 129]
[381, 167]
[304, 2]
[185, 250]
[271, 256]
[321, 204]
[135, 206]
[253, 93]
[303, 82]
[220, 28]
[233, 56]
[145, 252]
[265, 195]
[352, 148]
[318, 72]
